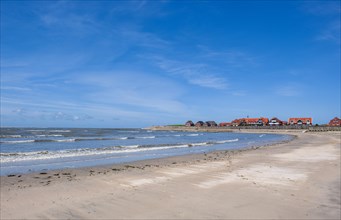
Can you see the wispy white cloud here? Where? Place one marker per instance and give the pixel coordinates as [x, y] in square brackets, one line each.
[134, 35]
[43, 114]
[331, 33]
[209, 81]
[322, 7]
[204, 67]
[53, 105]
[15, 88]
[121, 88]
[231, 58]
[115, 94]
[239, 93]
[19, 111]
[139, 8]
[13, 63]
[61, 15]
[197, 74]
[331, 12]
[289, 90]
[65, 116]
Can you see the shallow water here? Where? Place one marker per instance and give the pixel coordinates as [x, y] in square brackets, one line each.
[25, 150]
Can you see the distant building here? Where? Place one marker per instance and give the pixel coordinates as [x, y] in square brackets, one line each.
[225, 124]
[236, 122]
[211, 124]
[335, 122]
[256, 121]
[189, 123]
[300, 121]
[276, 122]
[250, 122]
[199, 124]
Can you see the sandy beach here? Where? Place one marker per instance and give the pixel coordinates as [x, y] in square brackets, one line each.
[295, 180]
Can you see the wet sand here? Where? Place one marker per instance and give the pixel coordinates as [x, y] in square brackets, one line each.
[295, 180]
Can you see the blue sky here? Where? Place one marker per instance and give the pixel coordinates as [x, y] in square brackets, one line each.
[143, 63]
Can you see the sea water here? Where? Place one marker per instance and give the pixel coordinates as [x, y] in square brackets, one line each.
[25, 150]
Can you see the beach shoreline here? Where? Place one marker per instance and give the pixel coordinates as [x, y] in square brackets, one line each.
[232, 169]
[119, 148]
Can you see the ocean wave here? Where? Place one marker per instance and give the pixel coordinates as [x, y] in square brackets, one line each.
[44, 155]
[131, 146]
[10, 136]
[227, 141]
[128, 131]
[199, 144]
[50, 135]
[146, 137]
[36, 130]
[38, 141]
[17, 142]
[63, 140]
[66, 140]
[193, 135]
[61, 131]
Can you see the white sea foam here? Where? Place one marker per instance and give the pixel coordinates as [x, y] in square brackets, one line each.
[10, 136]
[66, 140]
[147, 137]
[128, 131]
[198, 144]
[227, 141]
[60, 131]
[49, 135]
[43, 155]
[17, 142]
[192, 135]
[75, 153]
[131, 146]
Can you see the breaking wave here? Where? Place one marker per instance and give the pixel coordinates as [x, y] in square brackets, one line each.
[72, 139]
[10, 136]
[17, 142]
[45, 155]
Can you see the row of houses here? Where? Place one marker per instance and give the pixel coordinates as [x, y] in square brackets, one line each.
[261, 122]
[201, 124]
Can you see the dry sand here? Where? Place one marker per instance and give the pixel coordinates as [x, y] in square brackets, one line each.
[295, 180]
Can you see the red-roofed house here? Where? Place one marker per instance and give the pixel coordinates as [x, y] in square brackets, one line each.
[250, 121]
[256, 121]
[236, 122]
[225, 124]
[276, 122]
[199, 124]
[300, 121]
[189, 123]
[335, 122]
